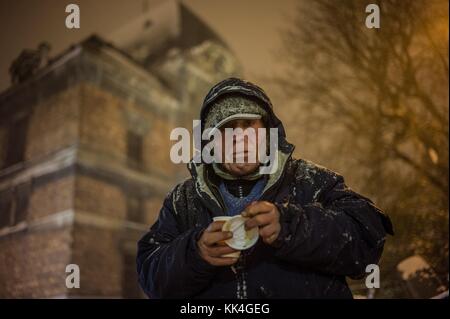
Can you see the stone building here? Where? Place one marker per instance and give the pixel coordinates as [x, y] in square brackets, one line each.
[84, 152]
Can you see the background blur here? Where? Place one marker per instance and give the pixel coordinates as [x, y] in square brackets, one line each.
[85, 118]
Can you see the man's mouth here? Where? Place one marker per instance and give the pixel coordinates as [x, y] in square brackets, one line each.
[240, 153]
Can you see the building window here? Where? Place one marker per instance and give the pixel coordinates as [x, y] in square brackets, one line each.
[22, 195]
[14, 205]
[6, 207]
[3, 144]
[134, 149]
[17, 136]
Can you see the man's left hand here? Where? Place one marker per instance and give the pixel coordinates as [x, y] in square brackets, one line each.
[266, 216]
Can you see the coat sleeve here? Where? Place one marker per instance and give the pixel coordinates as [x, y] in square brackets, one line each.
[339, 234]
[168, 262]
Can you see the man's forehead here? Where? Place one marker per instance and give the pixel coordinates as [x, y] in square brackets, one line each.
[243, 122]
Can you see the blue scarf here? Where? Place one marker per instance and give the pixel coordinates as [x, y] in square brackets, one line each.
[235, 205]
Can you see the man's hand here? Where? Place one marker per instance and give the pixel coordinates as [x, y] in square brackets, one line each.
[266, 216]
[212, 247]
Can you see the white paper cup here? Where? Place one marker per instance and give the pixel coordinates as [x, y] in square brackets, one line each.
[236, 254]
[242, 239]
[224, 219]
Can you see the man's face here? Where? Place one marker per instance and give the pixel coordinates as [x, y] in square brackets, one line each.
[243, 146]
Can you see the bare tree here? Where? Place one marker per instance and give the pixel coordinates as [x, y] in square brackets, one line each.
[386, 88]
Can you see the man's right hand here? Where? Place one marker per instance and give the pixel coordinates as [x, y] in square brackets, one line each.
[212, 247]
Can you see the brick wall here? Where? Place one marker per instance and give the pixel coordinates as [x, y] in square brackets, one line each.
[96, 250]
[32, 264]
[101, 123]
[99, 198]
[53, 124]
[52, 197]
[90, 118]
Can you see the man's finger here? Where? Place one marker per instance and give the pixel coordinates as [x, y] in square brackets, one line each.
[268, 230]
[219, 251]
[215, 226]
[212, 238]
[256, 208]
[259, 220]
[269, 240]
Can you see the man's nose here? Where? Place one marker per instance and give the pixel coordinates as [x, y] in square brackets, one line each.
[239, 136]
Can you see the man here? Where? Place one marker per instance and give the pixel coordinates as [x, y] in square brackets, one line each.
[314, 230]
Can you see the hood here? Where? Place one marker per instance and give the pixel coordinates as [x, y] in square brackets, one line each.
[199, 171]
[239, 86]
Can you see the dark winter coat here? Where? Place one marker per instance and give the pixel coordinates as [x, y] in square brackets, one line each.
[328, 231]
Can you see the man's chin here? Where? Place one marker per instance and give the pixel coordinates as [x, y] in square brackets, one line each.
[243, 169]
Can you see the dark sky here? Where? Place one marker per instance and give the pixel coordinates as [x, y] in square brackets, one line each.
[250, 27]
